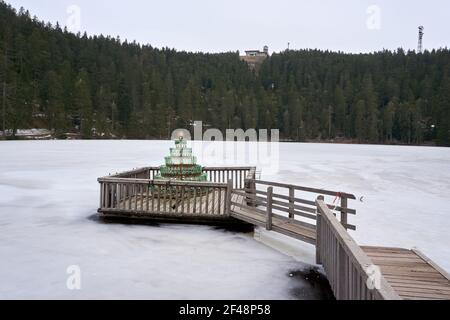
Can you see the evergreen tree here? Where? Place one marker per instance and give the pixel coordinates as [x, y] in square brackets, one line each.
[52, 78]
[83, 103]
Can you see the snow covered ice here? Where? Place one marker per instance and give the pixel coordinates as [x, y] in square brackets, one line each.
[49, 194]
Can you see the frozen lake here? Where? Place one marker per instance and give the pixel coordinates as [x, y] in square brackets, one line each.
[49, 192]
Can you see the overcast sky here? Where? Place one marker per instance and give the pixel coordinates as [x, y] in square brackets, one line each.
[231, 25]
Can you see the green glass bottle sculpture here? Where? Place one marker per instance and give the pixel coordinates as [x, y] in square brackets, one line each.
[181, 165]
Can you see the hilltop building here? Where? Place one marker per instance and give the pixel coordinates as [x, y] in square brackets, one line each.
[255, 58]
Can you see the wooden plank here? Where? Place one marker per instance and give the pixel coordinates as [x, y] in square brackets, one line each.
[319, 240]
[385, 249]
[269, 213]
[344, 219]
[158, 190]
[189, 201]
[402, 261]
[213, 202]
[410, 274]
[161, 183]
[437, 291]
[207, 201]
[153, 198]
[221, 207]
[195, 201]
[129, 196]
[422, 295]
[142, 196]
[292, 204]
[401, 255]
[183, 199]
[431, 263]
[306, 189]
[178, 199]
[418, 284]
[408, 278]
[228, 197]
[147, 199]
[102, 194]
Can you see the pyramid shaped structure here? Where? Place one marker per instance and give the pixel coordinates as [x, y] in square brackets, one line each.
[181, 164]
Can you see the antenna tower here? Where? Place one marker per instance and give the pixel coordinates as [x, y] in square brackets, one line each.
[420, 47]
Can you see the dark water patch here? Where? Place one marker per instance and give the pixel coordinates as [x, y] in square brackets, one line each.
[236, 228]
[94, 217]
[123, 221]
[231, 225]
[311, 285]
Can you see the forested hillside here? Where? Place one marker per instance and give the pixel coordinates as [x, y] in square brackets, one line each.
[104, 87]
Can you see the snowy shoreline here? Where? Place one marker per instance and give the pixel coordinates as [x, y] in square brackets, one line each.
[46, 135]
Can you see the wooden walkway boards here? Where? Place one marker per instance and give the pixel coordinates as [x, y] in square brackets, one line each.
[410, 273]
[286, 226]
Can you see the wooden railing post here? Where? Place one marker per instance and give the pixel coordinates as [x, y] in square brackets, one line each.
[253, 185]
[291, 202]
[247, 192]
[108, 195]
[269, 208]
[344, 217]
[250, 192]
[228, 197]
[319, 233]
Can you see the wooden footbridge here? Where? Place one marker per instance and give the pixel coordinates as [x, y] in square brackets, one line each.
[318, 217]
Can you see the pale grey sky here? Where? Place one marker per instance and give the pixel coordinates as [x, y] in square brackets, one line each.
[231, 25]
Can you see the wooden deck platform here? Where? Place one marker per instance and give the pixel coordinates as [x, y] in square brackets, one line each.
[410, 273]
[235, 195]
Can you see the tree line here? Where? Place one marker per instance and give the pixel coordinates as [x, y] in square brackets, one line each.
[103, 87]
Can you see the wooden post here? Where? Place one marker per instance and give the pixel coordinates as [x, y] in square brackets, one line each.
[318, 232]
[250, 187]
[247, 188]
[269, 209]
[101, 195]
[228, 197]
[344, 218]
[291, 202]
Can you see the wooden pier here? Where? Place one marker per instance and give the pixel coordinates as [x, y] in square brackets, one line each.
[315, 216]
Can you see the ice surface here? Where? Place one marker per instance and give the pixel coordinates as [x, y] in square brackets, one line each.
[405, 190]
[48, 192]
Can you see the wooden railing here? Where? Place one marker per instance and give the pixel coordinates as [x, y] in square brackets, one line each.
[295, 202]
[238, 175]
[349, 270]
[138, 197]
[141, 173]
